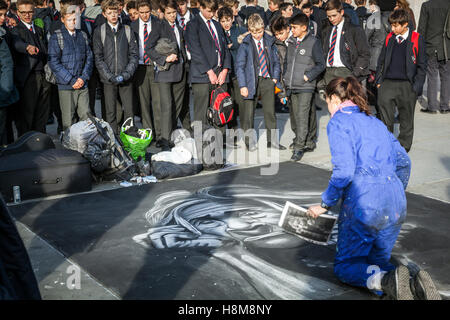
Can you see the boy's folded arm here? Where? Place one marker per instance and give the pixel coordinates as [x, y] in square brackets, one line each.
[362, 46]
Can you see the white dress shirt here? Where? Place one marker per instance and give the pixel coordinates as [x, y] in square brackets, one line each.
[215, 31]
[114, 28]
[29, 26]
[404, 36]
[141, 37]
[337, 62]
[177, 34]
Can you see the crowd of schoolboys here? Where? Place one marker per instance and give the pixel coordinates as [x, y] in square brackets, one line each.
[146, 58]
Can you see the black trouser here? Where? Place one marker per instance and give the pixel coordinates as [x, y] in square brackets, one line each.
[112, 93]
[172, 96]
[55, 106]
[94, 83]
[238, 103]
[34, 104]
[400, 94]
[265, 88]
[184, 113]
[3, 115]
[300, 114]
[149, 99]
[437, 68]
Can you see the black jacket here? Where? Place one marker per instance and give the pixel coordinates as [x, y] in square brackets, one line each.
[21, 37]
[354, 48]
[247, 11]
[113, 60]
[203, 50]
[431, 26]
[416, 64]
[176, 69]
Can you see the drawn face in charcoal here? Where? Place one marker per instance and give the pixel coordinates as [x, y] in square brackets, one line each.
[221, 215]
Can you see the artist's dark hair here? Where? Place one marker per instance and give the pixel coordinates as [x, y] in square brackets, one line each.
[284, 6]
[3, 5]
[209, 4]
[399, 16]
[164, 4]
[225, 12]
[334, 5]
[279, 24]
[315, 2]
[349, 89]
[300, 19]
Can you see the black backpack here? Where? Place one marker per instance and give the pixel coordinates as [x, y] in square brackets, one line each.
[220, 110]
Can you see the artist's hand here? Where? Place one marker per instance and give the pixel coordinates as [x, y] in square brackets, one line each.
[171, 58]
[32, 50]
[244, 92]
[212, 77]
[315, 211]
[222, 77]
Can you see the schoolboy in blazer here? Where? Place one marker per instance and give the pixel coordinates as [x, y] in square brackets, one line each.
[210, 57]
[172, 82]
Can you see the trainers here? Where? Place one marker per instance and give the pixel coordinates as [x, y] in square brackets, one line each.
[423, 287]
[395, 284]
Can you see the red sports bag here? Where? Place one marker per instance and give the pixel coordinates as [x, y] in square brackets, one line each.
[220, 110]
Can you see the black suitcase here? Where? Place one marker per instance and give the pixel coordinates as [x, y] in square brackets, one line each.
[44, 173]
[29, 141]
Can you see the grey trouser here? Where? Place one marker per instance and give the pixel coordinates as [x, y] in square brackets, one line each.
[300, 111]
[265, 88]
[437, 68]
[171, 95]
[333, 73]
[34, 104]
[149, 98]
[72, 101]
[400, 94]
[112, 93]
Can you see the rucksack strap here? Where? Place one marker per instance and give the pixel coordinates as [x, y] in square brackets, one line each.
[388, 37]
[415, 42]
[60, 39]
[103, 33]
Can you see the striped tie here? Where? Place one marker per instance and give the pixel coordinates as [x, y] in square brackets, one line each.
[262, 62]
[183, 25]
[146, 57]
[298, 43]
[332, 46]
[216, 41]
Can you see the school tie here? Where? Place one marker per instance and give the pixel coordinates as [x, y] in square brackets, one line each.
[262, 61]
[31, 29]
[400, 39]
[183, 25]
[298, 43]
[332, 46]
[216, 41]
[146, 57]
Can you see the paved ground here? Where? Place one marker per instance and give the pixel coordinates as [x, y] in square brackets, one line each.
[430, 177]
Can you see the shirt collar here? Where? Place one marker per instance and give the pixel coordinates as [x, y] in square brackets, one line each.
[28, 25]
[203, 18]
[404, 36]
[341, 24]
[141, 22]
[114, 27]
[186, 17]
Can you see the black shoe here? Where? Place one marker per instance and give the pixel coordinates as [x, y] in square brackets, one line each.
[423, 287]
[428, 111]
[275, 146]
[444, 111]
[297, 155]
[395, 284]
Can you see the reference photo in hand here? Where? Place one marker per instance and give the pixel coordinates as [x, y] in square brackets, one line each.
[294, 220]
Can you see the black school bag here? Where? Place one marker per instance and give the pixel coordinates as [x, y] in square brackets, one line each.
[220, 110]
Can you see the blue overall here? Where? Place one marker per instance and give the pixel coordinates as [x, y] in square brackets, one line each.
[370, 173]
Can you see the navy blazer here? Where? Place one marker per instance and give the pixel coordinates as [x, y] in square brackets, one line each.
[135, 27]
[203, 50]
[176, 69]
